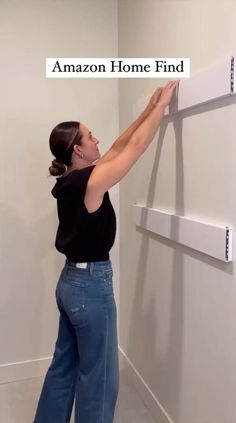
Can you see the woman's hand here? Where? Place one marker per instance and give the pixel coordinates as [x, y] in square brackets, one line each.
[162, 95]
[167, 93]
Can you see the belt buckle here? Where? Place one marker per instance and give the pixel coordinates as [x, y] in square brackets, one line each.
[81, 265]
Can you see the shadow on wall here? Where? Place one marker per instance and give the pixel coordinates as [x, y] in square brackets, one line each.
[27, 279]
[167, 368]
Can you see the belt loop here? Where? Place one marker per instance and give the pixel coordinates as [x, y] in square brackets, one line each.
[91, 268]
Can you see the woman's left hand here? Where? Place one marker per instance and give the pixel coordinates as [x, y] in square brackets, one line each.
[154, 99]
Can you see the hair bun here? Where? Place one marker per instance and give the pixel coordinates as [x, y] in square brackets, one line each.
[57, 168]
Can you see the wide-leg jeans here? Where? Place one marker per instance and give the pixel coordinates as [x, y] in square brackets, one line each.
[85, 364]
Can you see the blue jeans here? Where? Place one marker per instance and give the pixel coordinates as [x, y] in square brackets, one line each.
[85, 363]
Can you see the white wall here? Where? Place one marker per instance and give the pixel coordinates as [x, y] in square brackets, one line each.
[177, 316]
[178, 306]
[30, 107]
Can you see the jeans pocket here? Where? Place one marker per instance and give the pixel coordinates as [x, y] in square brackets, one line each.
[108, 284]
[76, 304]
[107, 275]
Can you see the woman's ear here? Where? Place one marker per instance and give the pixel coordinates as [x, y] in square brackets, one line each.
[76, 149]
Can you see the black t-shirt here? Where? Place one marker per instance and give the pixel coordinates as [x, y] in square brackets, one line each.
[82, 236]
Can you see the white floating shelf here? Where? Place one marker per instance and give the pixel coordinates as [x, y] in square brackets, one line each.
[213, 83]
[215, 241]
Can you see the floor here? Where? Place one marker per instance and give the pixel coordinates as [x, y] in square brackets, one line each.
[24, 395]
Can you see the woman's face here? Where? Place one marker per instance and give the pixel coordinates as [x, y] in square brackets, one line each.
[89, 146]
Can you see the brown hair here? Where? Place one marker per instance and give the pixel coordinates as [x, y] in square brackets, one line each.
[61, 141]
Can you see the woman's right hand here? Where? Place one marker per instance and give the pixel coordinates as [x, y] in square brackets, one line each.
[167, 92]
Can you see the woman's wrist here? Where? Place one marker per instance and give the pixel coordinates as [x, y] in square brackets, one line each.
[161, 106]
[148, 109]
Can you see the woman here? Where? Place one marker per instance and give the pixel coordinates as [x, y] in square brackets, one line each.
[85, 360]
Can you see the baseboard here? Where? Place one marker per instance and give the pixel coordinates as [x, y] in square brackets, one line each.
[24, 369]
[151, 402]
